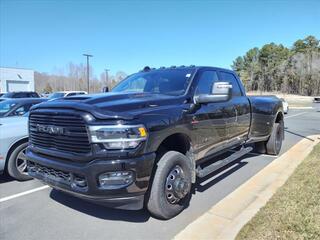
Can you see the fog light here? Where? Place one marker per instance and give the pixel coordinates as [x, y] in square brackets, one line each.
[113, 179]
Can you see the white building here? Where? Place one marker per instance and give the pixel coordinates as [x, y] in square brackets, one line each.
[16, 79]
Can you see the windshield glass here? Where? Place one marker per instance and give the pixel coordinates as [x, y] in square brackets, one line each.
[7, 95]
[6, 106]
[163, 81]
[56, 95]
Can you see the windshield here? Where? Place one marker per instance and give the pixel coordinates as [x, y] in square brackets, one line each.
[56, 95]
[163, 81]
[6, 106]
[7, 95]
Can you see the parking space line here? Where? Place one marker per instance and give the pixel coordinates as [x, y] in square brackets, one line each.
[23, 193]
[295, 115]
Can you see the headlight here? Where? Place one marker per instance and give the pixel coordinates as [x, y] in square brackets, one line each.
[118, 136]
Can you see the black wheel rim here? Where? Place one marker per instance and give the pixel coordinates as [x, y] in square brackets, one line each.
[177, 187]
[21, 162]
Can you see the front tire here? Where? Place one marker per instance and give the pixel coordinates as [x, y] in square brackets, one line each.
[171, 188]
[17, 163]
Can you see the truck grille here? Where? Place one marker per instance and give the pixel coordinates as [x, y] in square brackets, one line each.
[59, 132]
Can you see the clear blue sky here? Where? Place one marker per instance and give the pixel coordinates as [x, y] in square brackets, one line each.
[127, 35]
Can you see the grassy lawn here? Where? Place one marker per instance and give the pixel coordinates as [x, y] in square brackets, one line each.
[294, 211]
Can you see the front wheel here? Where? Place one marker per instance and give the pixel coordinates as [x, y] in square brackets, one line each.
[17, 163]
[171, 188]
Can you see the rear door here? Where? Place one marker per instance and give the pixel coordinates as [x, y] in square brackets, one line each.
[238, 122]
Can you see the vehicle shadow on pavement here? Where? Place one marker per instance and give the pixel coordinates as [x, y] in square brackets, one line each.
[4, 178]
[218, 175]
[99, 211]
[297, 134]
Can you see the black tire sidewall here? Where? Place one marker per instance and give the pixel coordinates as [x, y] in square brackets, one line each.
[158, 204]
[271, 144]
[11, 165]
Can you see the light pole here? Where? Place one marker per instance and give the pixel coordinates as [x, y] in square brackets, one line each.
[107, 76]
[88, 56]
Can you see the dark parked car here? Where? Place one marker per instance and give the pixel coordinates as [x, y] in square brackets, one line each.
[316, 99]
[19, 95]
[17, 106]
[146, 142]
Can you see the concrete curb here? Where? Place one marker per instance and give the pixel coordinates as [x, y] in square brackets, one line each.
[301, 107]
[225, 219]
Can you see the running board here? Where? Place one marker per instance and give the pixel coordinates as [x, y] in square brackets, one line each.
[202, 172]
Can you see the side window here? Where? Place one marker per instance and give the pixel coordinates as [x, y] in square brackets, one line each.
[206, 81]
[34, 95]
[229, 77]
[71, 94]
[22, 110]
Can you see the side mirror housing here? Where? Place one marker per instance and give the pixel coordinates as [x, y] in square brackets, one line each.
[220, 92]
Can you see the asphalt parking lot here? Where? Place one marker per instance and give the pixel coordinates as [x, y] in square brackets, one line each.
[48, 214]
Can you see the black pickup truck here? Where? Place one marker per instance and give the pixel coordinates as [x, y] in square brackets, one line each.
[147, 141]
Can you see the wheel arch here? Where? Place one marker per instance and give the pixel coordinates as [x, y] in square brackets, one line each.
[179, 142]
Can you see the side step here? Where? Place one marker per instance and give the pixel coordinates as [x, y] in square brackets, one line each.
[202, 172]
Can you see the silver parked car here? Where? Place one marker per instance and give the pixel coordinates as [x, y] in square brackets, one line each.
[13, 143]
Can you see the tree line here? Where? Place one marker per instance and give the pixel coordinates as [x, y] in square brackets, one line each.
[74, 77]
[274, 67]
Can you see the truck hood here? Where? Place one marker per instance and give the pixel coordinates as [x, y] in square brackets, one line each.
[115, 105]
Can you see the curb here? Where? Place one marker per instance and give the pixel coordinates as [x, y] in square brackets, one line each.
[225, 219]
[301, 107]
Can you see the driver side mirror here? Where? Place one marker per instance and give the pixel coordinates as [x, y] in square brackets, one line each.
[220, 92]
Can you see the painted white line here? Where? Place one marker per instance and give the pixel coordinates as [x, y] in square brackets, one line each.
[23, 193]
[295, 115]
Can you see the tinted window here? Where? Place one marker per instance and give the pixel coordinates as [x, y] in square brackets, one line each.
[206, 81]
[229, 77]
[21, 95]
[71, 94]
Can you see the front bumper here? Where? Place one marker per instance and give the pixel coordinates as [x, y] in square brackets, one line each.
[61, 174]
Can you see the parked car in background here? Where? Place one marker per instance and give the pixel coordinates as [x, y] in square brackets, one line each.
[316, 99]
[66, 94]
[17, 106]
[19, 95]
[285, 105]
[13, 144]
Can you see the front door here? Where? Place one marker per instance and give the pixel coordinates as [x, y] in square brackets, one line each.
[209, 120]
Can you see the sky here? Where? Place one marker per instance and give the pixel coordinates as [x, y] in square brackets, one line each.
[127, 35]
